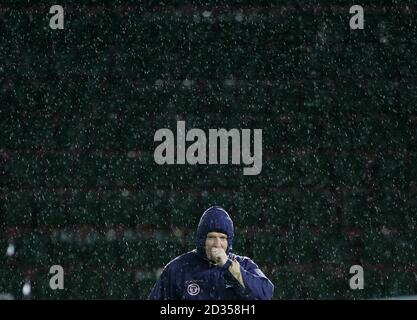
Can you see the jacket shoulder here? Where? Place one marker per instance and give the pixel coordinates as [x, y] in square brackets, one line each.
[180, 261]
[244, 261]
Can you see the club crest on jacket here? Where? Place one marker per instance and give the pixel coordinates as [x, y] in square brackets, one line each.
[193, 289]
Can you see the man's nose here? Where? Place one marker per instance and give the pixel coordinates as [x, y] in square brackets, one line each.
[217, 243]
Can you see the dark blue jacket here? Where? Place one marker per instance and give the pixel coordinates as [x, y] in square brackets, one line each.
[192, 276]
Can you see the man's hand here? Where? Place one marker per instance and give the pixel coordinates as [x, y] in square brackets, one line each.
[219, 255]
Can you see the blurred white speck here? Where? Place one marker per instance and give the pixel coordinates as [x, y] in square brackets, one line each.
[10, 250]
[384, 40]
[128, 235]
[26, 290]
[196, 18]
[239, 17]
[111, 235]
[178, 232]
[159, 82]
[131, 154]
[385, 231]
[64, 236]
[187, 82]
[6, 296]
[206, 14]
[158, 272]
[125, 193]
[229, 82]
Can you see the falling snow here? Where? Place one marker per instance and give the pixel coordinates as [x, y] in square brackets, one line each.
[80, 106]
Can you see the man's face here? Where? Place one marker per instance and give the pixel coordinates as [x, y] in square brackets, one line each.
[215, 240]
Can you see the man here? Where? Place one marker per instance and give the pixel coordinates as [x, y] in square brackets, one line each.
[212, 271]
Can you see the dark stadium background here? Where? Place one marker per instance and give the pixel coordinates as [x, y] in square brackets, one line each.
[80, 106]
